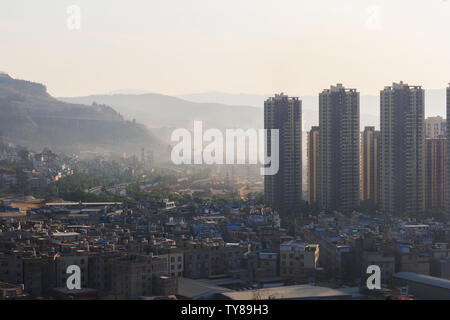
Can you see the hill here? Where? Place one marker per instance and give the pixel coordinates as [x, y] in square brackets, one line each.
[161, 111]
[31, 117]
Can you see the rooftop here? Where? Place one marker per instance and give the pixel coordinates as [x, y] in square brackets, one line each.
[194, 289]
[299, 292]
[423, 279]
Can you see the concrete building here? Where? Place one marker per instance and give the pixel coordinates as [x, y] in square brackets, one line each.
[175, 263]
[284, 189]
[39, 275]
[424, 287]
[338, 187]
[132, 276]
[312, 153]
[370, 175]
[163, 284]
[64, 261]
[402, 149]
[409, 259]
[262, 264]
[339, 260]
[447, 162]
[298, 260]
[202, 262]
[435, 149]
[385, 261]
[435, 127]
[11, 268]
[440, 261]
[100, 271]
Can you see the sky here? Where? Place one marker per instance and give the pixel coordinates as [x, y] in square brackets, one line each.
[237, 46]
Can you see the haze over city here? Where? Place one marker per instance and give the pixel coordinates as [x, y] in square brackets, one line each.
[192, 150]
[256, 47]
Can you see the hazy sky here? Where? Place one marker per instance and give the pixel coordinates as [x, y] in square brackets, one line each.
[251, 46]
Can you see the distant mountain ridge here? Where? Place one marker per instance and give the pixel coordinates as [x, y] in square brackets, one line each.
[435, 104]
[31, 117]
[162, 111]
[232, 99]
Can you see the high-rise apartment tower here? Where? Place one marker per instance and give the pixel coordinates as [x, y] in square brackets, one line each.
[338, 157]
[284, 189]
[402, 149]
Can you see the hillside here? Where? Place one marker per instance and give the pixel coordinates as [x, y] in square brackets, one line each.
[31, 117]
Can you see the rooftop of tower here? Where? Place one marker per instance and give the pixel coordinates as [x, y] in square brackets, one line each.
[401, 85]
[338, 87]
[281, 96]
